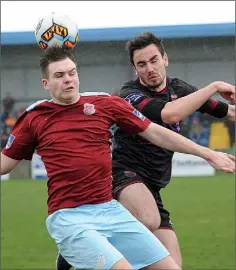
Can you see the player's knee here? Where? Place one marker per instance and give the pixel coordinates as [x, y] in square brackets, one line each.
[178, 259]
[152, 223]
[179, 262]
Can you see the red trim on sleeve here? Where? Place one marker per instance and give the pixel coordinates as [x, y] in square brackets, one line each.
[213, 104]
[143, 103]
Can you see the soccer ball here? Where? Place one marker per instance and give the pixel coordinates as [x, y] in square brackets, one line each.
[56, 30]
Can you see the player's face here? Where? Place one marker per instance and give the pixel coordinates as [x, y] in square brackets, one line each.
[62, 82]
[150, 66]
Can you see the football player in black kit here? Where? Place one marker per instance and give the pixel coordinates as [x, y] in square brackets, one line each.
[140, 169]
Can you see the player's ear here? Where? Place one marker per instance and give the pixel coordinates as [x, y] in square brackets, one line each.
[135, 71]
[45, 84]
[166, 61]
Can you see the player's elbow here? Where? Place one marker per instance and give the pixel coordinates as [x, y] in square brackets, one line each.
[7, 164]
[4, 168]
[169, 116]
[4, 171]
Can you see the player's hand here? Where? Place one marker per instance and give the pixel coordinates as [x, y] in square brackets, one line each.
[222, 162]
[226, 90]
[231, 113]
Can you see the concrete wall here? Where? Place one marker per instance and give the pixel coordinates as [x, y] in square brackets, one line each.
[104, 66]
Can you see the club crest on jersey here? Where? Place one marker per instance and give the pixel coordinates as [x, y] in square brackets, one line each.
[130, 174]
[101, 261]
[89, 109]
[10, 141]
[139, 115]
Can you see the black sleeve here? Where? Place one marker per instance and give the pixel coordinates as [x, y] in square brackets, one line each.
[212, 106]
[215, 108]
[149, 107]
[152, 110]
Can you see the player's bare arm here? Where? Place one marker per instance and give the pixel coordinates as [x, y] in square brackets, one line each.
[184, 100]
[7, 164]
[165, 138]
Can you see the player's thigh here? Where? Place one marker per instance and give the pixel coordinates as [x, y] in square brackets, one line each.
[122, 264]
[138, 244]
[90, 250]
[82, 248]
[138, 199]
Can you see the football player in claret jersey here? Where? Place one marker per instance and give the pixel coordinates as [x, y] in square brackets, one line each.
[71, 134]
[141, 169]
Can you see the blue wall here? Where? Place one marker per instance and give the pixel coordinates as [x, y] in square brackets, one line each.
[118, 34]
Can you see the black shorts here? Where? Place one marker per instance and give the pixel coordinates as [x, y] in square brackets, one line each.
[124, 177]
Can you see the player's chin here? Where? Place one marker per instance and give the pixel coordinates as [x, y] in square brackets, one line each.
[154, 84]
[69, 96]
[69, 93]
[155, 81]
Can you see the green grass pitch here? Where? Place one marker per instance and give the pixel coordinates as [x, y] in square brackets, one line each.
[203, 214]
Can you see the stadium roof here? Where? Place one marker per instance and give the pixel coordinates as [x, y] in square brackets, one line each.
[126, 33]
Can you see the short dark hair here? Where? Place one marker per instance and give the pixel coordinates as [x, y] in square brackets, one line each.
[141, 41]
[54, 54]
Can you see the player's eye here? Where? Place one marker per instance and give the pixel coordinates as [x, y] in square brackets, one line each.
[141, 65]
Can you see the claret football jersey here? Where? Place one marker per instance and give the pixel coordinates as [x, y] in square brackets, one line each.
[74, 144]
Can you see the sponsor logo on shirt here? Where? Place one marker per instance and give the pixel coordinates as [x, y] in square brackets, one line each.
[134, 97]
[139, 115]
[129, 174]
[10, 141]
[89, 109]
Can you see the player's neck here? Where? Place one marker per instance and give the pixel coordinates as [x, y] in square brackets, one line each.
[66, 102]
[161, 87]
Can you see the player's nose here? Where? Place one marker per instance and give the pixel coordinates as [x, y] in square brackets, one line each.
[149, 67]
[67, 78]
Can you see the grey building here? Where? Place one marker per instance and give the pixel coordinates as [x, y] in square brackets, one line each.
[198, 54]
